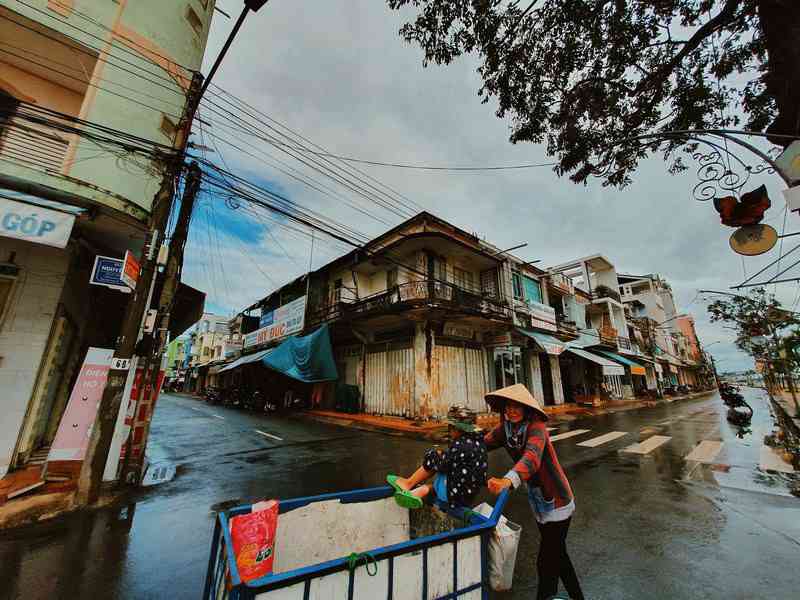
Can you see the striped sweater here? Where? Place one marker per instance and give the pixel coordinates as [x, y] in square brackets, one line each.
[536, 464]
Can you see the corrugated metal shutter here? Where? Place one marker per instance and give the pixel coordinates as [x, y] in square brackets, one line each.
[389, 382]
[476, 378]
[459, 377]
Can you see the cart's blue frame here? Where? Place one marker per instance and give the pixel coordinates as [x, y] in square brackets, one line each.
[222, 558]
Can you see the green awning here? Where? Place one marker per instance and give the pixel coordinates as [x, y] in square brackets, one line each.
[636, 368]
[548, 343]
[308, 359]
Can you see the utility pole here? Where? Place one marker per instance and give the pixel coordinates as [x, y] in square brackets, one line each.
[169, 288]
[91, 474]
[100, 441]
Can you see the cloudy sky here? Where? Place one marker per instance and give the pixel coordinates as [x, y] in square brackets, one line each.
[339, 74]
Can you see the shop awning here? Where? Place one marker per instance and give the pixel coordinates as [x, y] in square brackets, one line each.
[187, 309]
[609, 366]
[548, 343]
[308, 359]
[636, 369]
[588, 337]
[246, 359]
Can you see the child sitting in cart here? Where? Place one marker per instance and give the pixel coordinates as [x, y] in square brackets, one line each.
[459, 472]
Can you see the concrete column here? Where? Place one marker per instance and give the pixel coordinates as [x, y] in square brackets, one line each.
[536, 377]
[558, 388]
[423, 369]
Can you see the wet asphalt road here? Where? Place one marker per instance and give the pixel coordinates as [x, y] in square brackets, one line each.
[650, 525]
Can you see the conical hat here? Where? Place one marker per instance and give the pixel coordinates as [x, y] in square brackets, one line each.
[517, 393]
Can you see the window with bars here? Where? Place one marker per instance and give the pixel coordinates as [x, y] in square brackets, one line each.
[391, 278]
[463, 279]
[516, 280]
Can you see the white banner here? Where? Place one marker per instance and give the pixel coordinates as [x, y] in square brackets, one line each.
[279, 323]
[35, 223]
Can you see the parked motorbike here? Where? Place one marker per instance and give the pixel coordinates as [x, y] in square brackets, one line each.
[233, 397]
[253, 401]
[211, 395]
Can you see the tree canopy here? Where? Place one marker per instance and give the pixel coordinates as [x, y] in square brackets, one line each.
[759, 321]
[580, 74]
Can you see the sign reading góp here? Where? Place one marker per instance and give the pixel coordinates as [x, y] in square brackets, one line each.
[281, 322]
[35, 223]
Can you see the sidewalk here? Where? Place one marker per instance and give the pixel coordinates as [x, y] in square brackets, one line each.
[433, 430]
[789, 422]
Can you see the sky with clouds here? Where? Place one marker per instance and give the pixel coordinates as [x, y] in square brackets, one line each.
[338, 73]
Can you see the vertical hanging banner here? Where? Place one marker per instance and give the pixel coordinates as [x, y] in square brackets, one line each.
[130, 270]
[72, 437]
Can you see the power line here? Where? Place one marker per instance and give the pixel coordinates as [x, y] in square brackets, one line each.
[315, 185]
[331, 170]
[103, 40]
[414, 205]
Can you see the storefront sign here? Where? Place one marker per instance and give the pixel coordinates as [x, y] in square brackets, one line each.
[502, 339]
[542, 316]
[35, 223]
[232, 348]
[75, 428]
[458, 331]
[107, 272]
[130, 270]
[284, 321]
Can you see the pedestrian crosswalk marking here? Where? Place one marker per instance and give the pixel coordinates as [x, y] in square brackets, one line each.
[269, 435]
[705, 452]
[218, 416]
[648, 445]
[603, 439]
[552, 428]
[568, 434]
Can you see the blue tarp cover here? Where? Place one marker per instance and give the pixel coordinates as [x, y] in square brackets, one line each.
[308, 358]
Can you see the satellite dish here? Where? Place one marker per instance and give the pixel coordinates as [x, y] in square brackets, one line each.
[752, 240]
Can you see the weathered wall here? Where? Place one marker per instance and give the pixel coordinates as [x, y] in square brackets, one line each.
[146, 39]
[26, 86]
[24, 331]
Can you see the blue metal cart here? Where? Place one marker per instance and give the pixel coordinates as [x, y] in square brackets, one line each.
[356, 545]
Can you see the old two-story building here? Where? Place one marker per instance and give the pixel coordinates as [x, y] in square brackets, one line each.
[89, 91]
[428, 315]
[672, 337]
[608, 339]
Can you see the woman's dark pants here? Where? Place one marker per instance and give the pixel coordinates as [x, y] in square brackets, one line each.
[554, 563]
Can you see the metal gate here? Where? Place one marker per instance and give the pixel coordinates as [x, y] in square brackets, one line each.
[459, 377]
[389, 379]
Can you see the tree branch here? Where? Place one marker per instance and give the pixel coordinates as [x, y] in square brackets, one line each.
[725, 16]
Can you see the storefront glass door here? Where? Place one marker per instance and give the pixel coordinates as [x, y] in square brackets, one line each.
[508, 368]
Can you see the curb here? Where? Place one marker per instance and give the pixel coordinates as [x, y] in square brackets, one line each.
[29, 510]
[439, 433]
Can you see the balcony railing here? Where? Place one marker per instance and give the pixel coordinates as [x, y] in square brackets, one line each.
[602, 291]
[624, 343]
[406, 295]
[566, 325]
[608, 335]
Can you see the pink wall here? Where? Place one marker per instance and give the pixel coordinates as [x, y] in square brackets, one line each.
[686, 326]
[26, 86]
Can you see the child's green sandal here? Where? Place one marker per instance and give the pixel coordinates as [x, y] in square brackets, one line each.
[408, 500]
[404, 498]
[392, 481]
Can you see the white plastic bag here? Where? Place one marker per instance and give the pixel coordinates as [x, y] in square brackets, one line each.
[503, 545]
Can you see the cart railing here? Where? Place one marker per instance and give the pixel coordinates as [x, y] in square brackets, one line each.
[223, 580]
